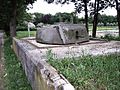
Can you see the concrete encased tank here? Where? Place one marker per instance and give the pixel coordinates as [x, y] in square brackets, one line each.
[62, 34]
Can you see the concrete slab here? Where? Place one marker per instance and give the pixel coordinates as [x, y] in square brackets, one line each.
[1, 63]
[94, 47]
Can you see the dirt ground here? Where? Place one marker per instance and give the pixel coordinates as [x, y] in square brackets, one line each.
[1, 64]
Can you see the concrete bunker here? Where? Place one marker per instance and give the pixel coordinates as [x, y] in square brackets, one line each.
[62, 34]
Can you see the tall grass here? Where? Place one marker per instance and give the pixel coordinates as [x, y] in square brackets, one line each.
[15, 77]
[91, 73]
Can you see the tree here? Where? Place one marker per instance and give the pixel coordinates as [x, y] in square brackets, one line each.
[86, 13]
[116, 5]
[66, 17]
[10, 10]
[13, 18]
[58, 17]
[105, 19]
[95, 20]
[97, 6]
[4, 16]
[82, 5]
[47, 19]
[118, 13]
[73, 17]
[38, 18]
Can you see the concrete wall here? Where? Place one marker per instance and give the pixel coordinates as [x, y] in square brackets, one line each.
[1, 43]
[40, 74]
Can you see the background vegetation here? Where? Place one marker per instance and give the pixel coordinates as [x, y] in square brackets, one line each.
[104, 22]
[13, 13]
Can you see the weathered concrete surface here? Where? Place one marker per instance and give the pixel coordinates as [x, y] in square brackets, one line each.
[48, 35]
[62, 34]
[93, 47]
[1, 42]
[40, 74]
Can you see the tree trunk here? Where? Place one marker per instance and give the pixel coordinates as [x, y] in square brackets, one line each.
[13, 19]
[95, 20]
[118, 14]
[118, 18]
[86, 16]
[94, 26]
[7, 29]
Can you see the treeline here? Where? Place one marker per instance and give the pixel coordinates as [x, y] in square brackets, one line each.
[51, 19]
[103, 20]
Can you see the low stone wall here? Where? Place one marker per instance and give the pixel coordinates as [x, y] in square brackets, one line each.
[40, 74]
[1, 43]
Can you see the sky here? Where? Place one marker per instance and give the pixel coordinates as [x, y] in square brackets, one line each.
[43, 7]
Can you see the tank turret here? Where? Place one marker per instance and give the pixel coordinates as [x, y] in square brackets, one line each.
[62, 34]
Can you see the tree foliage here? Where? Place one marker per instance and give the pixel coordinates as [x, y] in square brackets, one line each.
[107, 19]
[38, 18]
[58, 17]
[10, 12]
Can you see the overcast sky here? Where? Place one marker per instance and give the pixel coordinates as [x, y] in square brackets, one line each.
[42, 7]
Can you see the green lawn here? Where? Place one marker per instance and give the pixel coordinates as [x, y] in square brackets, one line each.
[22, 34]
[91, 73]
[15, 77]
[104, 28]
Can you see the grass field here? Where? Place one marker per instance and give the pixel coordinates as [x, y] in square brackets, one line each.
[91, 73]
[104, 28]
[15, 78]
[22, 34]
